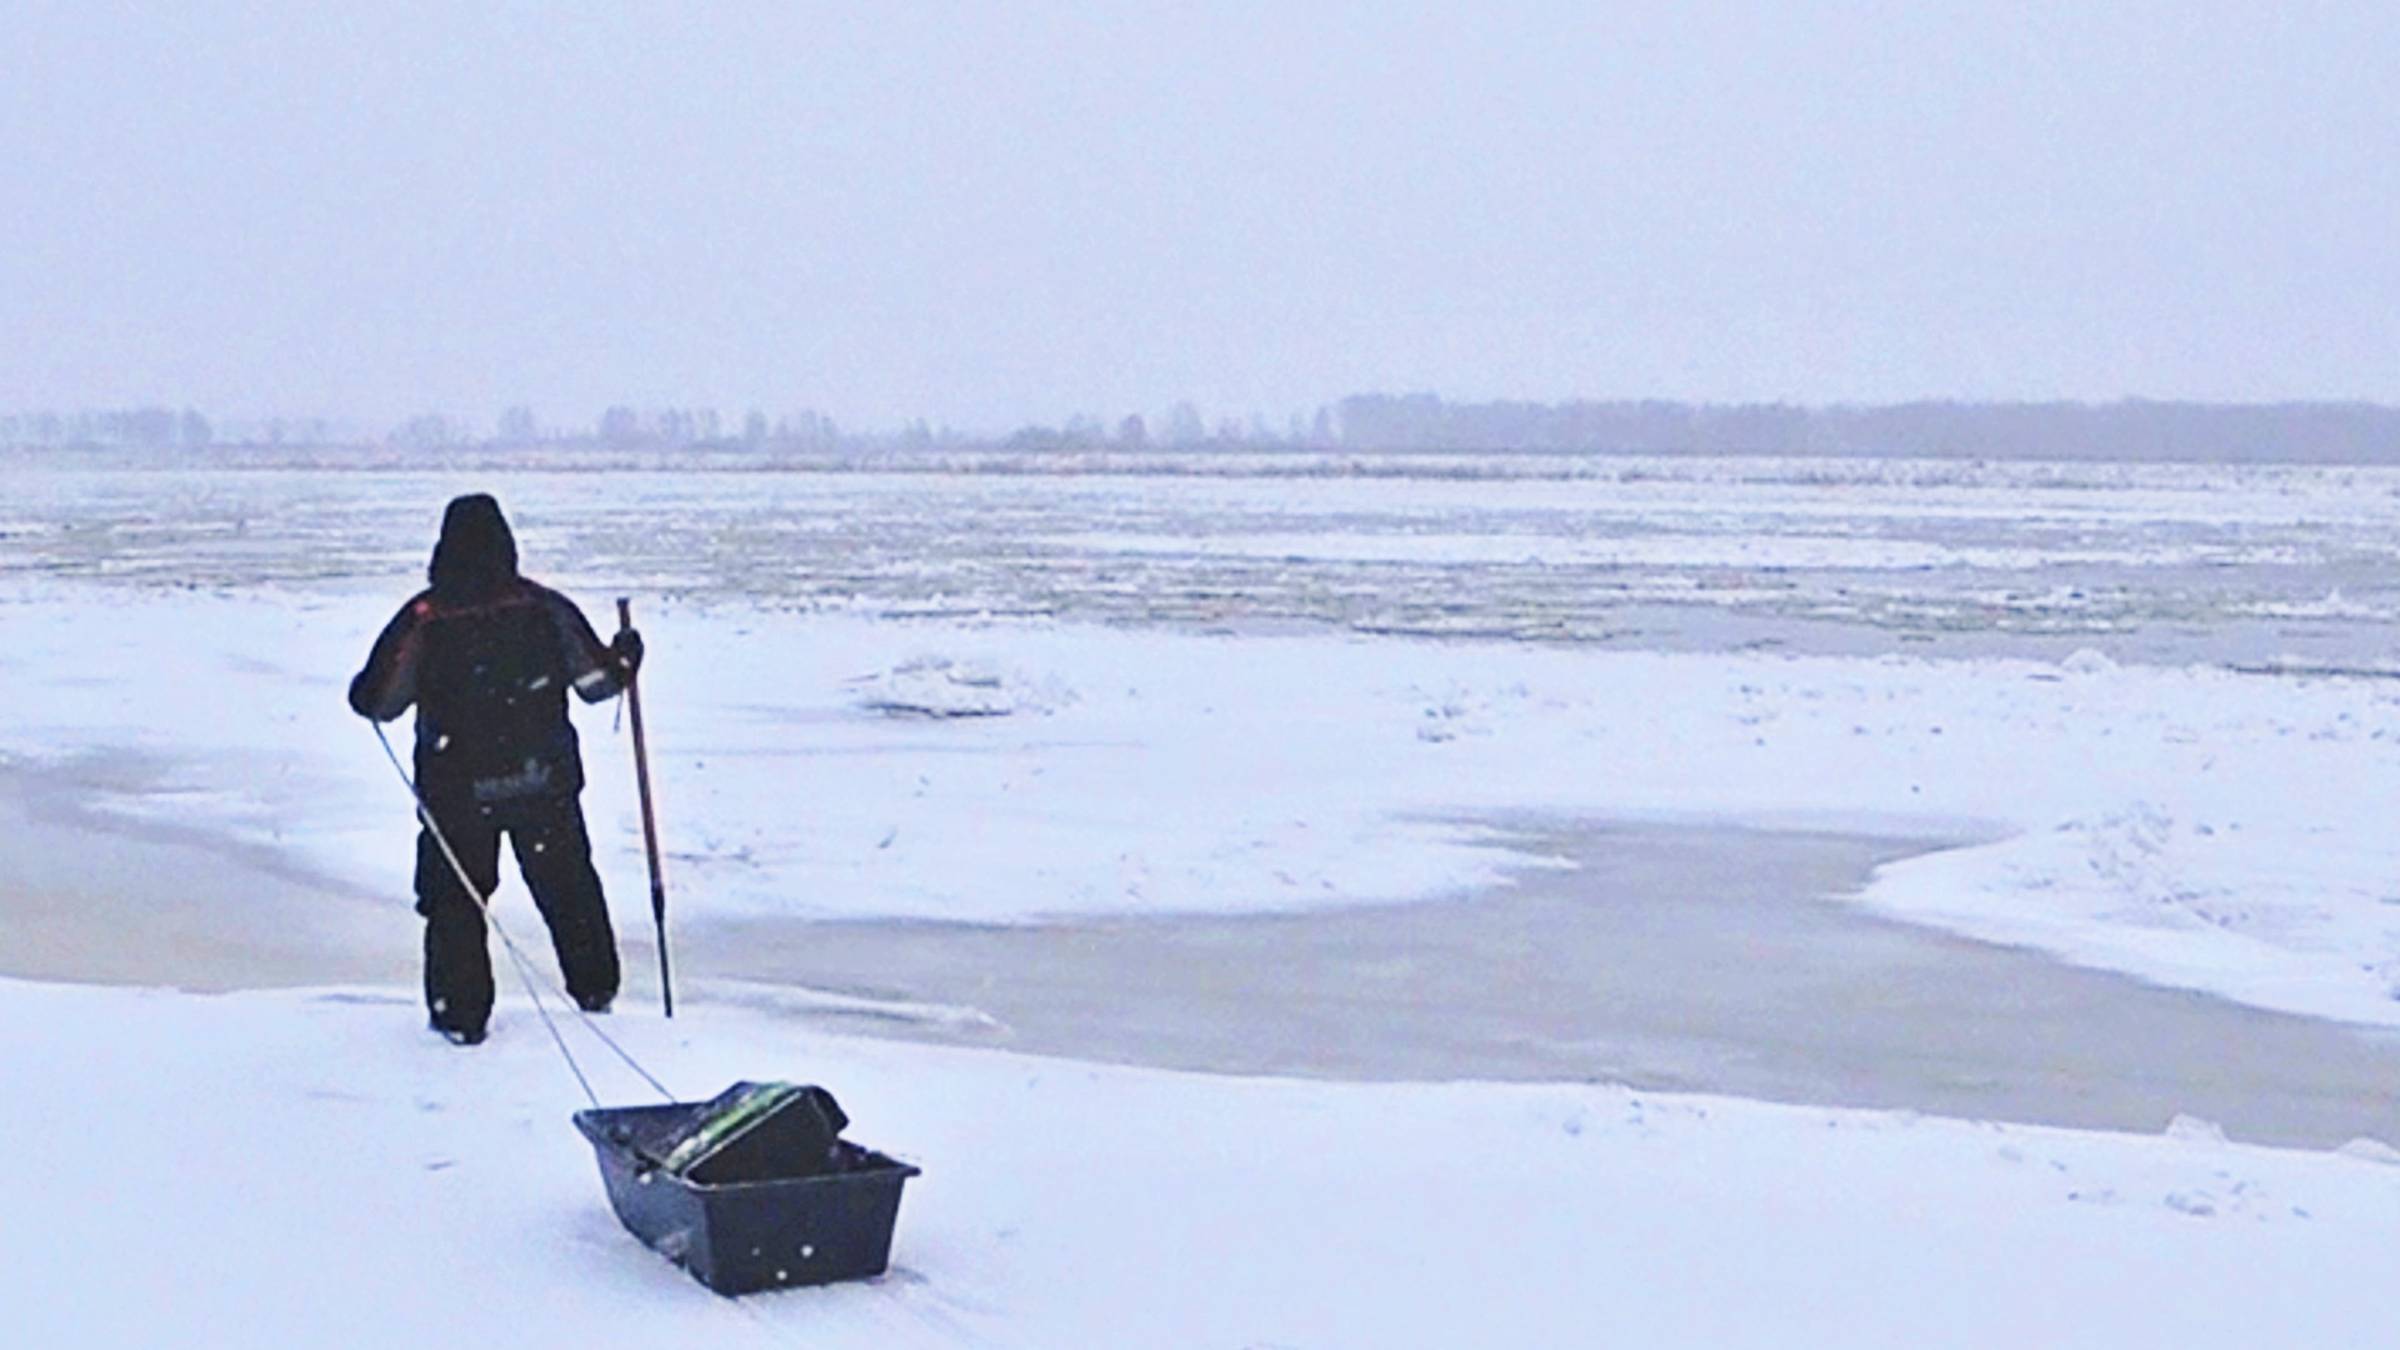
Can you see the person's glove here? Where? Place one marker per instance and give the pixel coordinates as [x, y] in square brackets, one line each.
[627, 649]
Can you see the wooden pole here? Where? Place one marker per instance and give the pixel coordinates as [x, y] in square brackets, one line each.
[641, 771]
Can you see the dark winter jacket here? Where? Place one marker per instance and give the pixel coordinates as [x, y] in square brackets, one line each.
[487, 656]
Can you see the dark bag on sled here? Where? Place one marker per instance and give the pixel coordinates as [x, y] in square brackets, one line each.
[758, 1132]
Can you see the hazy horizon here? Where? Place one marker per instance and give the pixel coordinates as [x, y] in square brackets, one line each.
[987, 219]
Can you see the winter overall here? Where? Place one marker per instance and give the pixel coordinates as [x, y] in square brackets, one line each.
[487, 656]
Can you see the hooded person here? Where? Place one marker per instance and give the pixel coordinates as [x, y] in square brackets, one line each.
[487, 656]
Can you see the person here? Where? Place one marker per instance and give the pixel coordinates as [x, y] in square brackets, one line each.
[487, 657]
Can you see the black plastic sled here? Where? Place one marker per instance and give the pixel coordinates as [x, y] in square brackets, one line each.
[751, 1190]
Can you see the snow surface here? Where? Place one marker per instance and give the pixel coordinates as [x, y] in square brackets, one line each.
[1130, 753]
[1176, 737]
[2141, 819]
[311, 1168]
[1170, 715]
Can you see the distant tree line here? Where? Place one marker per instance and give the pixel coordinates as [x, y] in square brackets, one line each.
[1181, 428]
[517, 426]
[623, 426]
[2134, 429]
[145, 427]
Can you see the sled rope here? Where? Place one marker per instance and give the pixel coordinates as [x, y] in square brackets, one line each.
[526, 970]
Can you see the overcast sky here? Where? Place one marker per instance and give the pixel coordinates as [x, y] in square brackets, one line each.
[998, 213]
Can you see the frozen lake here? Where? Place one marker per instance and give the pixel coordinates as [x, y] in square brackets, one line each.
[2165, 563]
[1673, 958]
[1670, 958]
[1245, 704]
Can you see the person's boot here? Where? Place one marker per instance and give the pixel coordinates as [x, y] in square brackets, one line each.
[459, 1035]
[594, 1003]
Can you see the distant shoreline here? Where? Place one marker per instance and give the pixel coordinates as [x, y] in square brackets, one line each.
[2133, 430]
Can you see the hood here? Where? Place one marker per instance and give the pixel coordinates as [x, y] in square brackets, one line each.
[477, 554]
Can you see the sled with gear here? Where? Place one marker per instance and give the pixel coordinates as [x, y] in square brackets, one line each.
[753, 1189]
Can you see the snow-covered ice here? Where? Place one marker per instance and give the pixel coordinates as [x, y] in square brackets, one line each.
[2151, 700]
[297, 1168]
[2140, 818]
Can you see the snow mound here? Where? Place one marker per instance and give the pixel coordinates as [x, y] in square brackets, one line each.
[2371, 1150]
[2087, 661]
[945, 687]
[2194, 1130]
